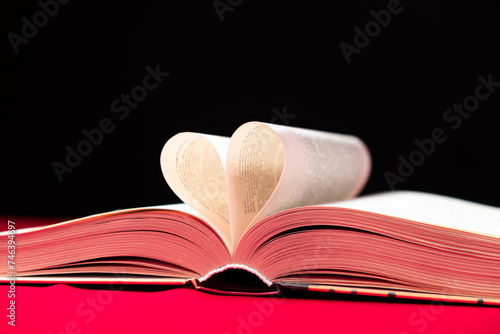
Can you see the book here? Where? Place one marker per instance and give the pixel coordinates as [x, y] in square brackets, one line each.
[274, 207]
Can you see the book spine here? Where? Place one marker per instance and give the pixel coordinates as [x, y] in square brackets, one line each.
[236, 266]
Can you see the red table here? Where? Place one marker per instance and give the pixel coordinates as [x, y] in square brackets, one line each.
[126, 309]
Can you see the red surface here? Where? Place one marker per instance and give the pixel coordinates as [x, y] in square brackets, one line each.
[66, 309]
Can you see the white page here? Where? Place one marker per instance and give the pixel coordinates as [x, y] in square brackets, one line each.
[430, 208]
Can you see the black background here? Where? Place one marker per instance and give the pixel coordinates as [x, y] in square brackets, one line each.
[223, 73]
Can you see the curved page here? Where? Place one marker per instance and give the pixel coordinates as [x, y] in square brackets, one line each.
[192, 166]
[271, 168]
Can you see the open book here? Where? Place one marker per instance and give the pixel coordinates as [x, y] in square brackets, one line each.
[274, 206]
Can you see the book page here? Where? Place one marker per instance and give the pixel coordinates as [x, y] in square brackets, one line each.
[271, 168]
[431, 209]
[255, 162]
[181, 207]
[192, 166]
